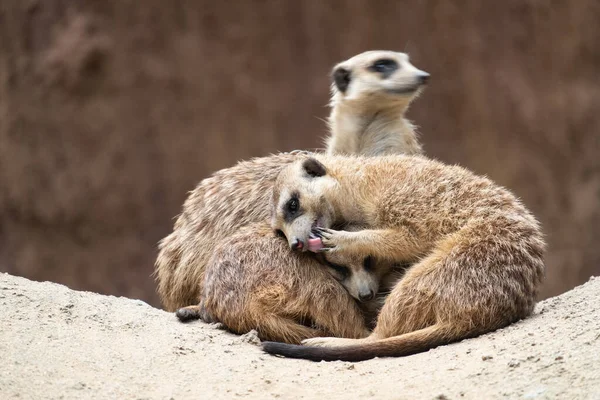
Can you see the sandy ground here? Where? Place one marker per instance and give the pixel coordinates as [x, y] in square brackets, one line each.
[56, 343]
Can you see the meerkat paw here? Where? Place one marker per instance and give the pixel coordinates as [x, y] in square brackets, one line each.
[333, 240]
[330, 342]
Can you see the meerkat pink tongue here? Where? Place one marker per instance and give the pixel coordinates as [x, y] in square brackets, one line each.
[315, 244]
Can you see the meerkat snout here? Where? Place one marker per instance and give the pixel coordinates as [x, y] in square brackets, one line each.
[366, 295]
[423, 77]
[297, 244]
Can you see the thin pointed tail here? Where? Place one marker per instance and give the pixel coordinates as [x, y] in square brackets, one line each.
[397, 346]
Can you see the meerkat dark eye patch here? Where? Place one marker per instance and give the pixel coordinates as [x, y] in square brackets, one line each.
[368, 263]
[293, 204]
[341, 78]
[341, 271]
[385, 66]
[314, 168]
[291, 209]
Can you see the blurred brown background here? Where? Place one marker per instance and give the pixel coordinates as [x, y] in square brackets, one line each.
[110, 111]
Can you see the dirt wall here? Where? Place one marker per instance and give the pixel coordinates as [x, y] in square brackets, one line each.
[111, 111]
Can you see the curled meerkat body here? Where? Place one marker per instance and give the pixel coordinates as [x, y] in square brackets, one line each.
[239, 196]
[253, 283]
[478, 251]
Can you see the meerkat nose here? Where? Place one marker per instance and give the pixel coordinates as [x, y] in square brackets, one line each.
[423, 78]
[370, 295]
[297, 244]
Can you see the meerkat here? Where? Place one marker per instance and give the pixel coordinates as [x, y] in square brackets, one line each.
[369, 103]
[478, 251]
[246, 288]
[375, 87]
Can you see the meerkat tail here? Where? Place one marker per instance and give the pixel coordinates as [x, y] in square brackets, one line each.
[397, 346]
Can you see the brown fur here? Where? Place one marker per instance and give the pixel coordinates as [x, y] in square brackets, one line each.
[246, 269]
[216, 209]
[239, 196]
[478, 250]
[279, 298]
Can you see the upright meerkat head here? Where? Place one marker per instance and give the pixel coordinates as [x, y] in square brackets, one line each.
[387, 75]
[300, 202]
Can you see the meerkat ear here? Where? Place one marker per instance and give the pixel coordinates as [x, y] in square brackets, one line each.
[314, 168]
[341, 77]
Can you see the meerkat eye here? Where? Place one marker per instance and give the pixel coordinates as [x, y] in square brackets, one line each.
[342, 272]
[368, 263]
[384, 66]
[291, 208]
[293, 205]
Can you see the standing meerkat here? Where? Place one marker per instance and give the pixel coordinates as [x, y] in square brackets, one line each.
[369, 102]
[239, 196]
[478, 251]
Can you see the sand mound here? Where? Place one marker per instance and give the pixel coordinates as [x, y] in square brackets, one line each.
[59, 343]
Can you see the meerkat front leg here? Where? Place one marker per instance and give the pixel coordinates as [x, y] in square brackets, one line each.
[390, 244]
